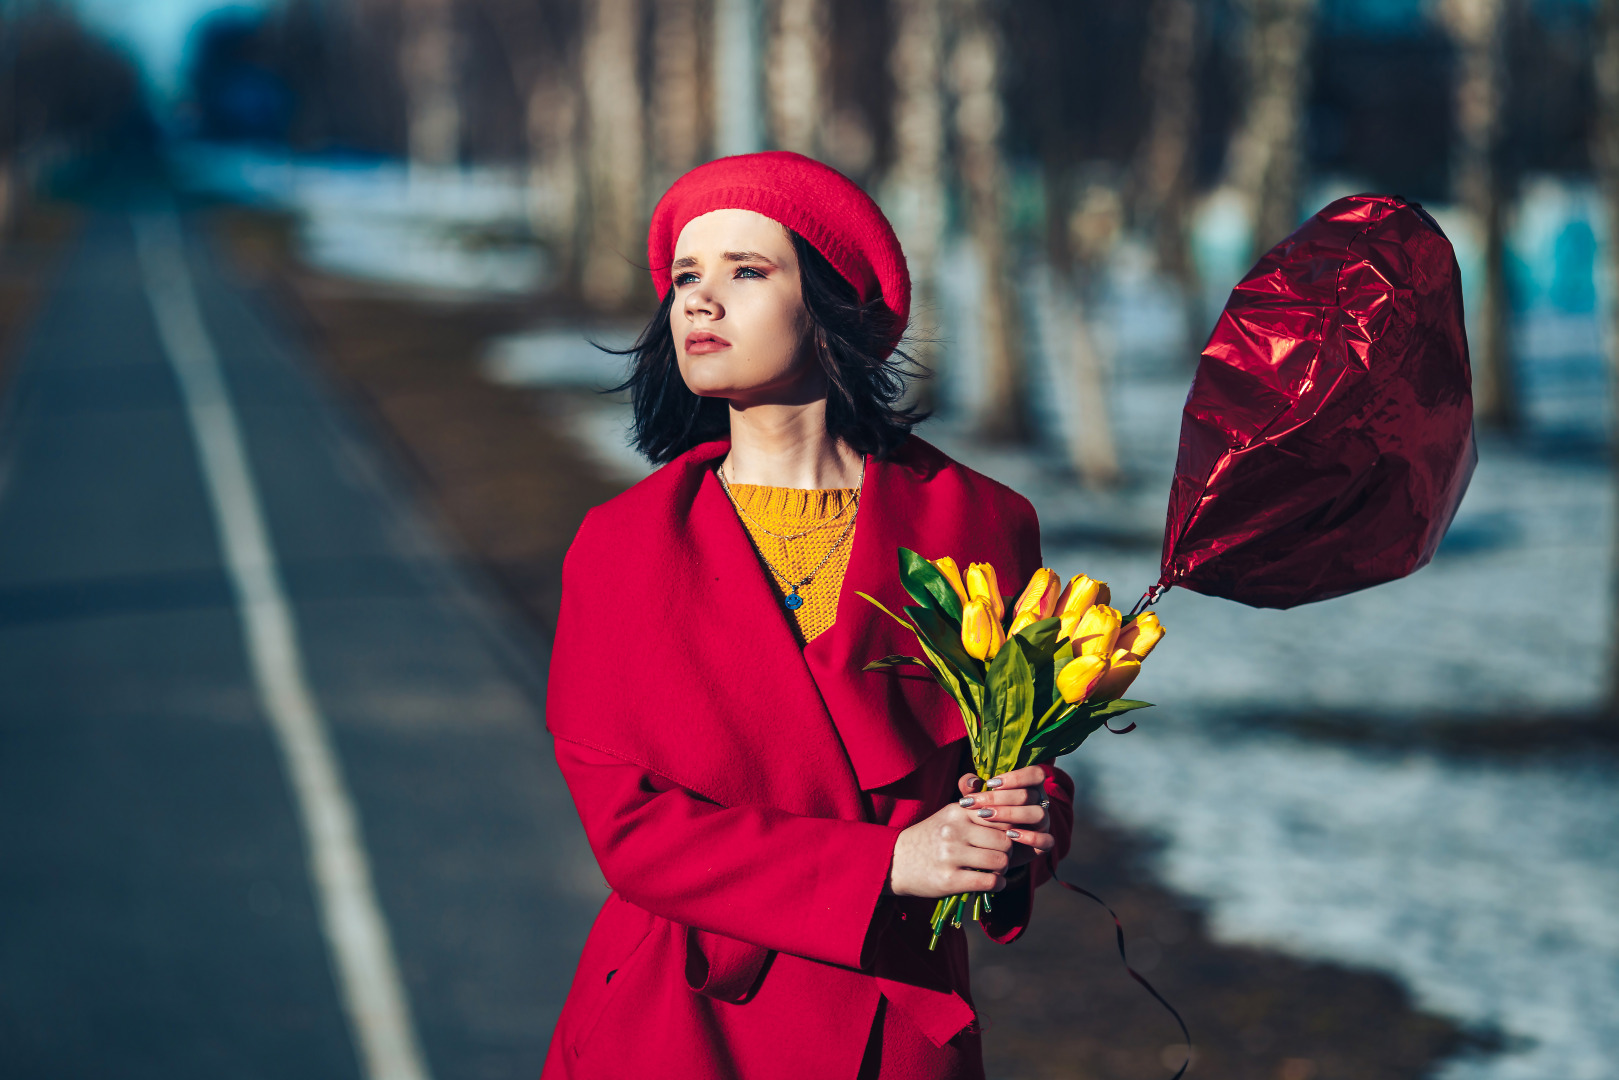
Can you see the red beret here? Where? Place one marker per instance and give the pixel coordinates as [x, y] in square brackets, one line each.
[815, 201]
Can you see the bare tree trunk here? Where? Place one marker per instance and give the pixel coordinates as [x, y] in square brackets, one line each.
[916, 183]
[615, 158]
[678, 120]
[427, 64]
[1077, 244]
[1478, 29]
[554, 190]
[738, 110]
[976, 72]
[1605, 155]
[1163, 167]
[1264, 160]
[796, 73]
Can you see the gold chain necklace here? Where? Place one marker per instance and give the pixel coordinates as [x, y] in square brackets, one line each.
[792, 601]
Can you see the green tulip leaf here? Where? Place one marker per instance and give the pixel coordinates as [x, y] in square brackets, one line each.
[894, 662]
[1009, 710]
[969, 697]
[927, 585]
[945, 640]
[878, 604]
[967, 692]
[1072, 728]
[1122, 705]
[1041, 638]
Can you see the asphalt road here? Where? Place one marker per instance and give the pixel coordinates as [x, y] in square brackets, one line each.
[160, 910]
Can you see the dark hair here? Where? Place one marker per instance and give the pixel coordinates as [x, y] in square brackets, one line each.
[865, 377]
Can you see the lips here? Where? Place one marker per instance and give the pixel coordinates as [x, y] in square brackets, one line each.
[701, 341]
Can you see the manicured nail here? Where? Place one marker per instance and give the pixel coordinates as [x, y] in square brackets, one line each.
[1012, 834]
[995, 783]
[968, 800]
[987, 812]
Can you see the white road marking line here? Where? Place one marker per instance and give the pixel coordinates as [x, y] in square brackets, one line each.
[356, 930]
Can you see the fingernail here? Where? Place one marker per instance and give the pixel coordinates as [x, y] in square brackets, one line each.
[968, 800]
[1012, 834]
[987, 812]
[995, 783]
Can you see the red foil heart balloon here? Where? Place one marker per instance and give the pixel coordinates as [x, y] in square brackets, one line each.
[1328, 436]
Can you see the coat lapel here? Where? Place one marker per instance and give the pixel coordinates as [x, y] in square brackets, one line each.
[890, 722]
[768, 708]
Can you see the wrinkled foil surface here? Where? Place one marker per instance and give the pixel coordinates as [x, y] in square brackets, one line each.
[1327, 439]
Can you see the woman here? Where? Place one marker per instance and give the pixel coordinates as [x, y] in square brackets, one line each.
[775, 823]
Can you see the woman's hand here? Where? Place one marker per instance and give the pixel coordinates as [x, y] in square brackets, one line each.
[949, 853]
[1012, 805]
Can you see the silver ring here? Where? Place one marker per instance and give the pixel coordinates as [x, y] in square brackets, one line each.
[1045, 802]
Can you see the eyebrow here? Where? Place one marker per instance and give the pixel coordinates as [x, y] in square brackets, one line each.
[730, 256]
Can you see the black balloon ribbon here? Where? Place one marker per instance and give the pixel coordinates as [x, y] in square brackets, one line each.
[1118, 929]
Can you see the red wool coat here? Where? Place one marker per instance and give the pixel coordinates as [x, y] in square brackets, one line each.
[743, 794]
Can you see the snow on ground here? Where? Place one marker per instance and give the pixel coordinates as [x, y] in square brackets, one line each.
[455, 233]
[1486, 887]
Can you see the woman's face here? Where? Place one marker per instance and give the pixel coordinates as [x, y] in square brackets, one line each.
[738, 319]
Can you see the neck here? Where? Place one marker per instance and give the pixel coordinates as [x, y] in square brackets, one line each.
[788, 446]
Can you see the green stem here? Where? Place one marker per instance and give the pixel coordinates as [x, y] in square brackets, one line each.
[1060, 703]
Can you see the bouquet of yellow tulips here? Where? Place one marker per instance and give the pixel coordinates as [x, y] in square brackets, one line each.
[1032, 680]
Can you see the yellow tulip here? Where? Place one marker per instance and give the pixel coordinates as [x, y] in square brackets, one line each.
[1141, 636]
[947, 567]
[981, 585]
[1121, 672]
[1076, 600]
[981, 633]
[1039, 600]
[1097, 632]
[1079, 677]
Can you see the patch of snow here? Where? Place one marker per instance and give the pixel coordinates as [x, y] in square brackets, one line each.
[458, 233]
[1488, 889]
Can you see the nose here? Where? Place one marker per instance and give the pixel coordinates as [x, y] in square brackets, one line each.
[700, 301]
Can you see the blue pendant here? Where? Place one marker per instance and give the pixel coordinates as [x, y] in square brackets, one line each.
[794, 601]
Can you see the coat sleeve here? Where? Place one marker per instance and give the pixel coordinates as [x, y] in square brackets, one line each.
[802, 885]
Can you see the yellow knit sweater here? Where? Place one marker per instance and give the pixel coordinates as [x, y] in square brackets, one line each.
[790, 511]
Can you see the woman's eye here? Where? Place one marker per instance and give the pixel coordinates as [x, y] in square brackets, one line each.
[750, 271]
[685, 279]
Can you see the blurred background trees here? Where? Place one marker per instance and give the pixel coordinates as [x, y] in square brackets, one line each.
[1029, 152]
[64, 93]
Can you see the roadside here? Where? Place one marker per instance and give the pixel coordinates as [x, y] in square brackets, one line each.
[512, 491]
[30, 248]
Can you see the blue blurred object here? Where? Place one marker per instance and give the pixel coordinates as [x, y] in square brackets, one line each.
[235, 95]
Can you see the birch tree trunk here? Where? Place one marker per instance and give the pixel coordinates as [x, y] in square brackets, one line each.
[1079, 239]
[796, 73]
[1477, 27]
[916, 193]
[427, 64]
[1264, 160]
[551, 123]
[738, 86]
[677, 120]
[615, 158]
[976, 72]
[1163, 167]
[1605, 156]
